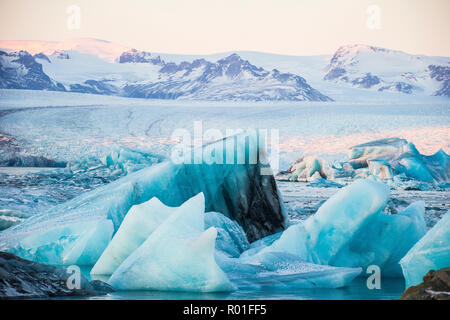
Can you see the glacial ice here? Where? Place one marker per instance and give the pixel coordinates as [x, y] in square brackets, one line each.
[63, 242]
[231, 237]
[177, 256]
[383, 160]
[283, 271]
[239, 191]
[350, 230]
[400, 156]
[136, 227]
[307, 168]
[432, 252]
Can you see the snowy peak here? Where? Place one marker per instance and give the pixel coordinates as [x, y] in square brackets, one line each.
[101, 48]
[382, 69]
[230, 78]
[136, 56]
[19, 70]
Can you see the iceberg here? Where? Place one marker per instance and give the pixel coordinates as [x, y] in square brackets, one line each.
[285, 271]
[383, 159]
[432, 252]
[136, 227]
[177, 256]
[231, 237]
[238, 191]
[350, 230]
[400, 156]
[307, 168]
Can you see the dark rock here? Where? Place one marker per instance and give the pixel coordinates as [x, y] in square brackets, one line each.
[20, 278]
[435, 286]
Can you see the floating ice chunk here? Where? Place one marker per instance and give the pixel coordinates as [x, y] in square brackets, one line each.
[323, 183]
[380, 169]
[231, 237]
[136, 227]
[239, 191]
[9, 218]
[306, 169]
[432, 252]
[79, 242]
[350, 230]
[177, 256]
[283, 271]
[260, 244]
[403, 157]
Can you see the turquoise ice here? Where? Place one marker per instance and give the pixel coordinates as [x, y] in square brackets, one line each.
[350, 230]
[178, 256]
[238, 191]
[432, 252]
[138, 225]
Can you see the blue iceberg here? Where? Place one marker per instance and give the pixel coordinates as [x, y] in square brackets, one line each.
[432, 252]
[231, 238]
[238, 191]
[350, 230]
[138, 225]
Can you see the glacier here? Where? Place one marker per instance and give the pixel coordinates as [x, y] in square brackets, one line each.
[432, 252]
[350, 230]
[177, 256]
[238, 191]
[139, 223]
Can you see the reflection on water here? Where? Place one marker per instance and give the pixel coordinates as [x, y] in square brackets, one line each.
[391, 288]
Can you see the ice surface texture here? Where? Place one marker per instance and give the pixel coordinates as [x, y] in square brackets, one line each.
[237, 190]
[432, 252]
[179, 256]
[380, 159]
[138, 225]
[350, 230]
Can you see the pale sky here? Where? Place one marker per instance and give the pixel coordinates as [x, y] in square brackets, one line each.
[295, 27]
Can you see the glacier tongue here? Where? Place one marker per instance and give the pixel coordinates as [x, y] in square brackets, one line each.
[138, 225]
[432, 252]
[178, 256]
[239, 191]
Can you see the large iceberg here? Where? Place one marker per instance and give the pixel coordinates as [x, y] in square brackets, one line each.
[283, 270]
[384, 159]
[136, 227]
[239, 191]
[350, 230]
[177, 256]
[432, 252]
[400, 156]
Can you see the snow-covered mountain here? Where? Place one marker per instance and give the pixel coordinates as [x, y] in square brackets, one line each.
[100, 67]
[382, 69]
[19, 70]
[230, 78]
[142, 75]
